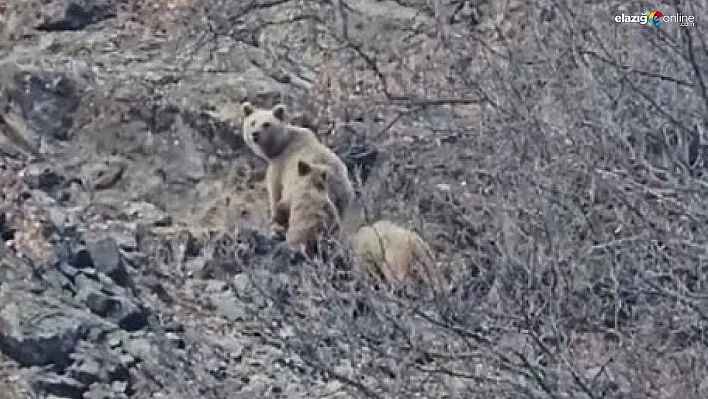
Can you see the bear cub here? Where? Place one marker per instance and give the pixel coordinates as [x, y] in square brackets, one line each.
[306, 212]
[392, 251]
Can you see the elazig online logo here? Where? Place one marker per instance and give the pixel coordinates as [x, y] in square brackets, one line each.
[656, 18]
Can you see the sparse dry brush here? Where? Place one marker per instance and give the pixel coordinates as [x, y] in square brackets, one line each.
[555, 159]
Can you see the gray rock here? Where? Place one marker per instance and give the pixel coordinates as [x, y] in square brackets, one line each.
[12, 268]
[95, 365]
[292, 390]
[106, 258]
[42, 177]
[333, 386]
[257, 386]
[76, 14]
[105, 280]
[59, 385]
[39, 330]
[81, 258]
[119, 387]
[146, 185]
[42, 198]
[56, 278]
[245, 289]
[102, 391]
[185, 246]
[63, 222]
[215, 286]
[74, 193]
[140, 348]
[114, 340]
[189, 169]
[146, 213]
[105, 175]
[112, 303]
[68, 270]
[48, 101]
[87, 371]
[228, 307]
[175, 339]
[195, 266]
[242, 284]
[127, 360]
[125, 240]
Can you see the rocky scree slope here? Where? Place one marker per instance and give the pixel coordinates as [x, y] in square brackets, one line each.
[95, 302]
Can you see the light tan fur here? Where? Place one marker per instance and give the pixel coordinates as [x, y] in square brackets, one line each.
[271, 137]
[306, 211]
[393, 251]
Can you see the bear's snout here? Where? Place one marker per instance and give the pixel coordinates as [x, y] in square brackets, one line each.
[256, 136]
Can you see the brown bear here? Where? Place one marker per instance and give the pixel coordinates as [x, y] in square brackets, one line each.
[306, 211]
[393, 251]
[283, 145]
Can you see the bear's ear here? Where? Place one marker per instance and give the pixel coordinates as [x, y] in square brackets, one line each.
[279, 112]
[303, 168]
[247, 108]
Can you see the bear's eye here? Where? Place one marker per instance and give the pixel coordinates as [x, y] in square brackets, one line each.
[266, 125]
[253, 123]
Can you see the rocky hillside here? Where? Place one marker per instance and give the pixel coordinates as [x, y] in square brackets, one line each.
[555, 164]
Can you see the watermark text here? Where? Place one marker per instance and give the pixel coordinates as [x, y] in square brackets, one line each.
[656, 18]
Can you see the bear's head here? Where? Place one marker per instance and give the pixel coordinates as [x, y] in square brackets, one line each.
[313, 175]
[265, 130]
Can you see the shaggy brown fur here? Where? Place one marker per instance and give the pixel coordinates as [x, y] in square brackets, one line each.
[307, 212]
[393, 251]
[283, 145]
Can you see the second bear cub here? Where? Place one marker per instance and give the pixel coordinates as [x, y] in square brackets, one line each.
[306, 211]
[392, 251]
